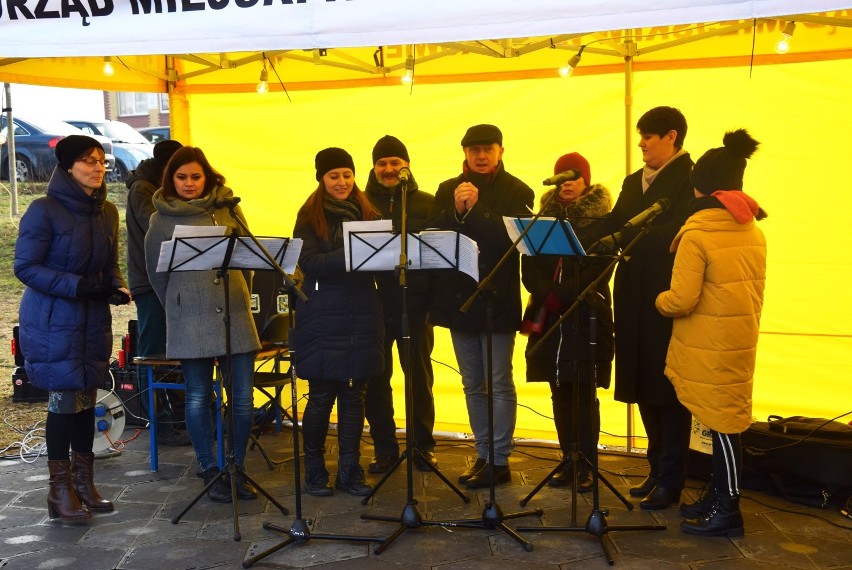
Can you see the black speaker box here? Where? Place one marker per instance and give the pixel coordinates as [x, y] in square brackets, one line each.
[132, 393]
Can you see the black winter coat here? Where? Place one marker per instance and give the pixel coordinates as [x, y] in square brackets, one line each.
[141, 185]
[340, 329]
[500, 195]
[418, 204]
[64, 237]
[570, 342]
[641, 334]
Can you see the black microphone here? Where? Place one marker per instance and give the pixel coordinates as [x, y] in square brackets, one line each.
[639, 219]
[226, 202]
[404, 174]
[558, 179]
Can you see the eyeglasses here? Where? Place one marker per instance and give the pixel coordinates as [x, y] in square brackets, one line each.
[89, 161]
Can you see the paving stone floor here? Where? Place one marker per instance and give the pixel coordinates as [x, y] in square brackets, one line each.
[140, 533]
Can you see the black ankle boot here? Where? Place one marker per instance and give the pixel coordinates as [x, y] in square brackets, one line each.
[700, 507]
[350, 479]
[220, 492]
[723, 519]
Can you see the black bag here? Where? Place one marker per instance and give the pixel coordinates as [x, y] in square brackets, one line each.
[806, 460]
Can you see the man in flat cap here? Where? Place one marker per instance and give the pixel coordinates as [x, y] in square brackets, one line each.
[474, 203]
[384, 190]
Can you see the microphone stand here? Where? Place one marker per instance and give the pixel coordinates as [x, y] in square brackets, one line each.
[410, 517]
[596, 524]
[492, 515]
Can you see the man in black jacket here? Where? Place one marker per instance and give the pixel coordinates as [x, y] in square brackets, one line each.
[474, 204]
[384, 190]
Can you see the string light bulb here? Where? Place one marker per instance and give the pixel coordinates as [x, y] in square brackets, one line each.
[568, 68]
[408, 78]
[263, 84]
[783, 45]
[109, 70]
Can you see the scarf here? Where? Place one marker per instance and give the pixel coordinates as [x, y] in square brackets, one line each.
[649, 174]
[340, 211]
[741, 206]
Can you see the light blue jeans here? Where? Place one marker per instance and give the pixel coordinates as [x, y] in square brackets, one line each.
[471, 353]
[198, 376]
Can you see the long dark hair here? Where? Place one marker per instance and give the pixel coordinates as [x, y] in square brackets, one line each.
[315, 213]
[185, 155]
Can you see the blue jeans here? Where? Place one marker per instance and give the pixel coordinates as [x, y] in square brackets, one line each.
[198, 375]
[470, 349]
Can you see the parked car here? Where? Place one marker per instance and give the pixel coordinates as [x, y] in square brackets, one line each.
[130, 147]
[156, 134]
[35, 143]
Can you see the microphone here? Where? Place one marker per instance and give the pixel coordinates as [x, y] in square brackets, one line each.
[226, 202]
[639, 219]
[404, 174]
[558, 179]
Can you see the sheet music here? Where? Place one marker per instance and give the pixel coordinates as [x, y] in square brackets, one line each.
[205, 253]
[365, 248]
[198, 231]
[445, 242]
[547, 236]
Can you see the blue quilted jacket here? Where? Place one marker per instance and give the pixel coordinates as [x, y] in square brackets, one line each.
[63, 237]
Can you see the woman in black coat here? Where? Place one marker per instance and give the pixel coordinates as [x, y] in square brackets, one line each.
[339, 336]
[566, 356]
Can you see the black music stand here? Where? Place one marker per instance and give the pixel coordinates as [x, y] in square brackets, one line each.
[596, 524]
[410, 517]
[206, 253]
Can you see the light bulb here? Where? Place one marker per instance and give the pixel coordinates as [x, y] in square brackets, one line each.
[109, 70]
[407, 78]
[566, 71]
[263, 84]
[783, 46]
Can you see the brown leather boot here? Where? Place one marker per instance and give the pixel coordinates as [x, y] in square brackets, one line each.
[62, 500]
[84, 483]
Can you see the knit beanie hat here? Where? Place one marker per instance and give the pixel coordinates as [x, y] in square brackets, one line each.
[164, 150]
[482, 134]
[574, 161]
[72, 147]
[722, 168]
[331, 158]
[390, 146]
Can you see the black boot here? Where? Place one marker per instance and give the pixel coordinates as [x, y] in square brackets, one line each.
[700, 507]
[350, 479]
[220, 492]
[316, 477]
[723, 519]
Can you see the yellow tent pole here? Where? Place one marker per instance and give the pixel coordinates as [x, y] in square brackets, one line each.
[178, 106]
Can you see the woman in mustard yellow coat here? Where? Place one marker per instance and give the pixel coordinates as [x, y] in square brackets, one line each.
[716, 298]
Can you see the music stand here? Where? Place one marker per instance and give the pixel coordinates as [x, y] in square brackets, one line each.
[410, 517]
[206, 253]
[596, 524]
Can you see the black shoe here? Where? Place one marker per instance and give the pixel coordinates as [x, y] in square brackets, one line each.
[381, 463]
[659, 498]
[643, 488]
[472, 470]
[425, 460]
[585, 483]
[220, 492]
[563, 478]
[723, 519]
[701, 506]
[482, 478]
[245, 491]
[316, 482]
[350, 479]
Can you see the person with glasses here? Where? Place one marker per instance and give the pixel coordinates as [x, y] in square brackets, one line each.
[195, 326]
[67, 256]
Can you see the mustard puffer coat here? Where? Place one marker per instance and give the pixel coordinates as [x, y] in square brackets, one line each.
[716, 298]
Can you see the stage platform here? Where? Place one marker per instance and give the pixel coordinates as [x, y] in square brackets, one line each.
[140, 534]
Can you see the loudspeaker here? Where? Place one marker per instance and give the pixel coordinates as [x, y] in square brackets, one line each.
[130, 391]
[268, 298]
[22, 390]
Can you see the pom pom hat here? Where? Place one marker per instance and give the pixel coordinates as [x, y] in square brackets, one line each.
[722, 168]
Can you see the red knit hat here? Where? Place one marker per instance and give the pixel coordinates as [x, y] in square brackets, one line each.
[574, 160]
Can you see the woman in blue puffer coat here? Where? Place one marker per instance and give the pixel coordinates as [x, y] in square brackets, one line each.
[67, 256]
